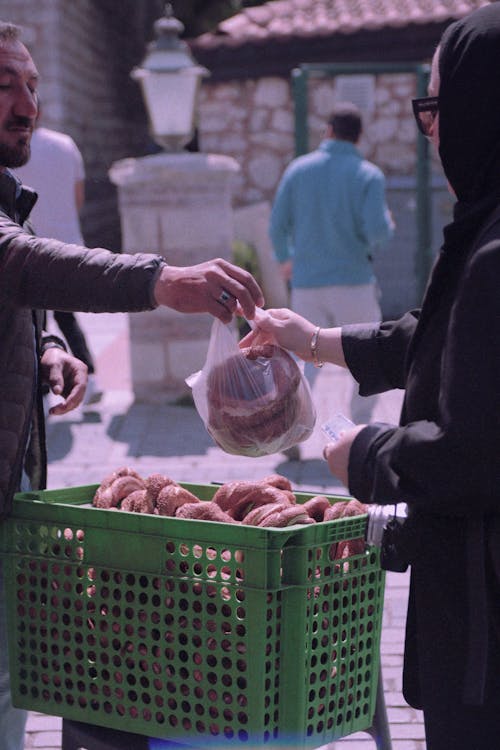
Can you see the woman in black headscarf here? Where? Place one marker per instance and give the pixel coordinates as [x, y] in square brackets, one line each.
[444, 458]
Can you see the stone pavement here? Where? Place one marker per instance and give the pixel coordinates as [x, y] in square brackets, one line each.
[171, 439]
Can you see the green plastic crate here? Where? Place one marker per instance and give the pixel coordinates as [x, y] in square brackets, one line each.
[199, 632]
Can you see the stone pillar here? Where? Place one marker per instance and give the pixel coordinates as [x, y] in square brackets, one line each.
[180, 206]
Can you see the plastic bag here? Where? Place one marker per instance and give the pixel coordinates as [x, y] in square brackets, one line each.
[253, 401]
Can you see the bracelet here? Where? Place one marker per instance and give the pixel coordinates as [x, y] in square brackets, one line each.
[314, 348]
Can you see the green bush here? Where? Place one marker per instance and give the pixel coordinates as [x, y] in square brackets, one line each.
[245, 256]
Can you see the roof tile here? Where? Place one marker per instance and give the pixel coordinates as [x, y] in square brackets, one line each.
[285, 19]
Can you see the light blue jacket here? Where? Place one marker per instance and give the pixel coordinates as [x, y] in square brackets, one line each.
[329, 215]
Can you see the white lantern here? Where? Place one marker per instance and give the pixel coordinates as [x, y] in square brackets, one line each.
[170, 80]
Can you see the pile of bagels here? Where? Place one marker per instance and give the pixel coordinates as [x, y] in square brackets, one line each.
[269, 502]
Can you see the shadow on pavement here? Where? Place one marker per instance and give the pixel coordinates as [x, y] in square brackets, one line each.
[60, 438]
[311, 472]
[157, 430]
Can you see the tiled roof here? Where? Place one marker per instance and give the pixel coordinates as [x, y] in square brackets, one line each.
[281, 20]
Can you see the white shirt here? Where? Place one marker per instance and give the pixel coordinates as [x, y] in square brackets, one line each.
[54, 168]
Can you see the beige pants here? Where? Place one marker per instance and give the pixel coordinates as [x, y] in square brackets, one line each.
[329, 306]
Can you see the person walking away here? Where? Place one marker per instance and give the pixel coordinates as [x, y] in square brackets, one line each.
[56, 171]
[328, 218]
[38, 274]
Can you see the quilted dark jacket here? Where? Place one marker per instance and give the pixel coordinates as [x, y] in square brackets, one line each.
[37, 274]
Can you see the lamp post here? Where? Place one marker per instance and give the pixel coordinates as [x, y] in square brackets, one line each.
[176, 203]
[170, 80]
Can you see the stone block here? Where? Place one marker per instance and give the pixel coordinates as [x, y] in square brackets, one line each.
[178, 205]
[147, 362]
[265, 169]
[189, 356]
[203, 230]
[140, 230]
[283, 121]
[271, 92]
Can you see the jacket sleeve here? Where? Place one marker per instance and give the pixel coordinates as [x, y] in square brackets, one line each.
[453, 466]
[50, 341]
[376, 354]
[43, 273]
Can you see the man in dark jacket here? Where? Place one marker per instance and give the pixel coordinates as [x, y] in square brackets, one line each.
[38, 274]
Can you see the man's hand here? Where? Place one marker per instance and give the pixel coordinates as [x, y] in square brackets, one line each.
[337, 454]
[66, 376]
[215, 286]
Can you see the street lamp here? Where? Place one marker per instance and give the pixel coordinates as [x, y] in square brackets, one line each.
[170, 79]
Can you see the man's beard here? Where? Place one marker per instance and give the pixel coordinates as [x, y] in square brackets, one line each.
[18, 155]
[14, 156]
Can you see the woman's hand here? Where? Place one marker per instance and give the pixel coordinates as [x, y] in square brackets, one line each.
[66, 376]
[283, 327]
[293, 332]
[337, 454]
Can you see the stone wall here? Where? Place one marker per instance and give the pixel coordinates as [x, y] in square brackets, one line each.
[84, 51]
[253, 121]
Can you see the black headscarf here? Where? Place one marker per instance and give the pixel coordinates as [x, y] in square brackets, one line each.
[469, 108]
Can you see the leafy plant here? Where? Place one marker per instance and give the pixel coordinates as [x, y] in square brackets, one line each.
[245, 256]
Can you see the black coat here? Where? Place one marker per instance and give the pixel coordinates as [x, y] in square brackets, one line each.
[444, 461]
[444, 458]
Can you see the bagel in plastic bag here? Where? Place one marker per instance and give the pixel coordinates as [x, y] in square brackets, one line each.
[253, 401]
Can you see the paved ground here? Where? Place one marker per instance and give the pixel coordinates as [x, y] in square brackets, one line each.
[171, 439]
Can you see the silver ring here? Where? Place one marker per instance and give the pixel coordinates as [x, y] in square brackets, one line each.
[224, 296]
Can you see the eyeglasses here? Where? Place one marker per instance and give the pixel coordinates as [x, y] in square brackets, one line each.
[425, 110]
